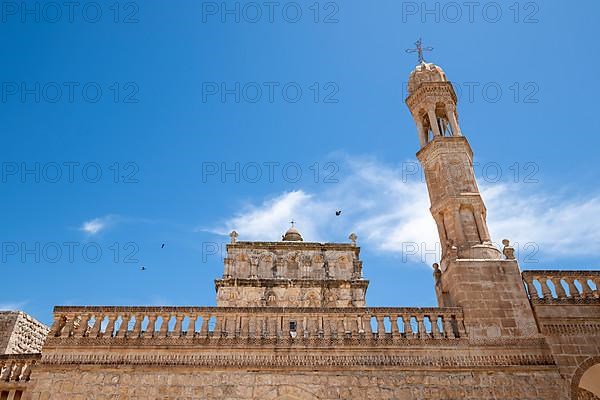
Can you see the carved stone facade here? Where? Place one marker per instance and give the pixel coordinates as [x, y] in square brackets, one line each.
[20, 333]
[291, 321]
[291, 273]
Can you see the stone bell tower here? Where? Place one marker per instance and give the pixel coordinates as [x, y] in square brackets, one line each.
[447, 160]
[474, 274]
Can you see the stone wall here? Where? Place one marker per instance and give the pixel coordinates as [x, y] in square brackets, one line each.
[492, 295]
[145, 383]
[20, 333]
[573, 333]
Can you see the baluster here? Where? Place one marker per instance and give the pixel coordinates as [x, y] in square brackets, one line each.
[219, 320]
[587, 290]
[546, 293]
[6, 374]
[596, 281]
[191, 329]
[97, 328]
[346, 328]
[69, 327]
[435, 329]
[122, 332]
[204, 327]
[421, 326]
[27, 371]
[394, 322]
[83, 325]
[448, 330]
[137, 328]
[560, 290]
[151, 328]
[178, 328]
[225, 325]
[380, 326]
[573, 291]
[16, 372]
[359, 325]
[59, 321]
[164, 325]
[366, 324]
[533, 293]
[112, 318]
[320, 329]
[460, 325]
[408, 331]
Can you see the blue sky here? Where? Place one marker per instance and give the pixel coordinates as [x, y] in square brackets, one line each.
[125, 117]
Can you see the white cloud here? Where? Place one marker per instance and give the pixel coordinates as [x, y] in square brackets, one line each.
[16, 306]
[268, 220]
[96, 225]
[390, 213]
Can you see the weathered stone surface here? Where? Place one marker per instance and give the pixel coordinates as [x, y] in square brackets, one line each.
[20, 333]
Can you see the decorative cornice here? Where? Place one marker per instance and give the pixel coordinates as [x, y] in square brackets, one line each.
[428, 89]
[573, 301]
[560, 273]
[259, 310]
[273, 246]
[563, 329]
[256, 342]
[282, 282]
[299, 361]
[21, 357]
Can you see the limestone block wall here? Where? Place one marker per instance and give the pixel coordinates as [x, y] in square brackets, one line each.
[492, 295]
[573, 333]
[151, 383]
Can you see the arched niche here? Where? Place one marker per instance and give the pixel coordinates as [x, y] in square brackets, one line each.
[585, 384]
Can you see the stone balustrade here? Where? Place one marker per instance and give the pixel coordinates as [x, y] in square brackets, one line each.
[257, 322]
[562, 285]
[15, 369]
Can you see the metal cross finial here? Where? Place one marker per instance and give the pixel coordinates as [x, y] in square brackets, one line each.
[292, 222]
[420, 49]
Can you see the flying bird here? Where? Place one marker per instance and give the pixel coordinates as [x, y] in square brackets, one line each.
[162, 246]
[338, 213]
[143, 268]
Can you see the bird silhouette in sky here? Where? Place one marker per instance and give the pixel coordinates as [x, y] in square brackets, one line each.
[143, 268]
[338, 213]
[162, 246]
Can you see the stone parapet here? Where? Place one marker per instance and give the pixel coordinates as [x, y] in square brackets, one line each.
[552, 287]
[153, 323]
[15, 374]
